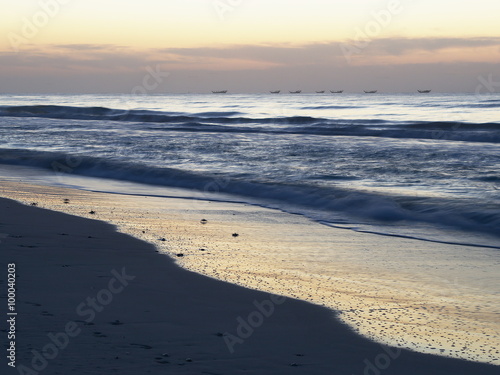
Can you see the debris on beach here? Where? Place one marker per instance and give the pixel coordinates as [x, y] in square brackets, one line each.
[203, 221]
[235, 234]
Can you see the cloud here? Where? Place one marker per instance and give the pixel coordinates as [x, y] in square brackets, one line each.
[116, 68]
[399, 46]
[88, 47]
[74, 57]
[332, 52]
[85, 57]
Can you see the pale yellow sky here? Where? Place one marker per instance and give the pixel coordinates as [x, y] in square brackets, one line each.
[187, 23]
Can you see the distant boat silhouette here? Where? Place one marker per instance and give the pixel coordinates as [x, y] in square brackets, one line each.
[337, 92]
[275, 92]
[371, 92]
[320, 92]
[219, 92]
[424, 91]
[295, 92]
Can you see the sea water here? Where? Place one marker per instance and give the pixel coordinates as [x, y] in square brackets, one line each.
[395, 164]
[421, 169]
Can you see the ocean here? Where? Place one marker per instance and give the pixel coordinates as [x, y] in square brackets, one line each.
[423, 166]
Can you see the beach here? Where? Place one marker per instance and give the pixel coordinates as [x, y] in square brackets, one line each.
[166, 315]
[380, 218]
[250, 187]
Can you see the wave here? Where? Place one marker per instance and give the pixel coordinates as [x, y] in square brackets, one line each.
[135, 115]
[218, 114]
[330, 200]
[452, 131]
[492, 178]
[235, 123]
[333, 107]
[483, 105]
[453, 126]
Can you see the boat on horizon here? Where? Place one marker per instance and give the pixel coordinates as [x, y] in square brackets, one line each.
[371, 92]
[219, 92]
[320, 92]
[337, 92]
[424, 91]
[275, 92]
[295, 92]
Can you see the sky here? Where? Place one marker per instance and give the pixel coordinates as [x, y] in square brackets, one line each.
[157, 46]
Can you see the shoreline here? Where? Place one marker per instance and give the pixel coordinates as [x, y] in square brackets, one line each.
[184, 234]
[166, 318]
